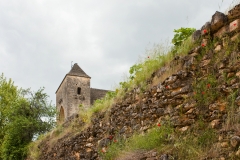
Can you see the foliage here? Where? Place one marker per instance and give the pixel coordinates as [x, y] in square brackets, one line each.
[157, 57]
[23, 115]
[135, 69]
[181, 35]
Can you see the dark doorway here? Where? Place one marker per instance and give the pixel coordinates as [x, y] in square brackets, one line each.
[61, 115]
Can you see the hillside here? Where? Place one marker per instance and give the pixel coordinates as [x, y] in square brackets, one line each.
[183, 105]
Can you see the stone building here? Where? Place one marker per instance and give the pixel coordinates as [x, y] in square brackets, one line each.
[74, 91]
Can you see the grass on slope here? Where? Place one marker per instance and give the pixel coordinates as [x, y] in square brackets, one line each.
[156, 58]
[163, 139]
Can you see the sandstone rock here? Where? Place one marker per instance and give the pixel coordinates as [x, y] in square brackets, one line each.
[238, 153]
[237, 101]
[188, 106]
[164, 157]
[222, 158]
[235, 141]
[218, 48]
[204, 42]
[231, 74]
[206, 28]
[154, 154]
[215, 123]
[235, 12]
[194, 54]
[89, 145]
[205, 63]
[190, 111]
[183, 129]
[176, 92]
[224, 144]
[170, 80]
[220, 33]
[234, 26]
[218, 20]
[221, 66]
[88, 150]
[196, 35]
[238, 74]
[152, 158]
[235, 86]
[220, 138]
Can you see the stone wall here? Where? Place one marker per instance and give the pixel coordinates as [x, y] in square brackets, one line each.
[174, 99]
[67, 95]
[97, 94]
[61, 99]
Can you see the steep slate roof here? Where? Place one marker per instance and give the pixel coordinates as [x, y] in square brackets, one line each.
[75, 71]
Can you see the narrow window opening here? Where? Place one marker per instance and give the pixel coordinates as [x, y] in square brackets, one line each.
[78, 90]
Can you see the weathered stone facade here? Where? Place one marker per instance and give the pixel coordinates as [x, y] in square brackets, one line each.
[75, 91]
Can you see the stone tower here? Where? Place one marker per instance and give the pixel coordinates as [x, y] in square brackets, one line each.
[74, 91]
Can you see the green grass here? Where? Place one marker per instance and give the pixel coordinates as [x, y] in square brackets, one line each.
[156, 138]
[155, 58]
[164, 140]
[205, 90]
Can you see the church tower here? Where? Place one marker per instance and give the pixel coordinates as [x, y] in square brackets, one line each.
[74, 91]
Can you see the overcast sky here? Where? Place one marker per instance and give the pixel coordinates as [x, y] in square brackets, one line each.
[40, 38]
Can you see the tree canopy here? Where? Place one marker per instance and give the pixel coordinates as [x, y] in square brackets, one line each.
[23, 115]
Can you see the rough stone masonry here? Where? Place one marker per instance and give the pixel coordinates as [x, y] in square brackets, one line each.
[74, 92]
[170, 100]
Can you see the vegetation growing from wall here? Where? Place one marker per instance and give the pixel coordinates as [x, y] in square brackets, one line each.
[201, 104]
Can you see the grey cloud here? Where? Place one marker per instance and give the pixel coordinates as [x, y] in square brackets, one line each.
[39, 39]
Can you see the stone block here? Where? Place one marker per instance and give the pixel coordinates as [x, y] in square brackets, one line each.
[222, 31]
[204, 42]
[218, 48]
[234, 26]
[235, 37]
[215, 123]
[206, 28]
[196, 35]
[235, 12]
[224, 144]
[235, 141]
[218, 20]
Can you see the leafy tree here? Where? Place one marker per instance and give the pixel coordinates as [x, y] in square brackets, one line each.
[23, 115]
[181, 35]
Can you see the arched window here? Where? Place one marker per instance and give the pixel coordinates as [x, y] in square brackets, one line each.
[78, 90]
[61, 115]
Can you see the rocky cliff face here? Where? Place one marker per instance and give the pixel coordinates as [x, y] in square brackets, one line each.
[205, 86]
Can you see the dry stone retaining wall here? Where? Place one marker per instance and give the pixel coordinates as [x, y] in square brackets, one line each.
[172, 100]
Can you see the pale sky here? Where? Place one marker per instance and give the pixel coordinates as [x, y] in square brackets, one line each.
[40, 38]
